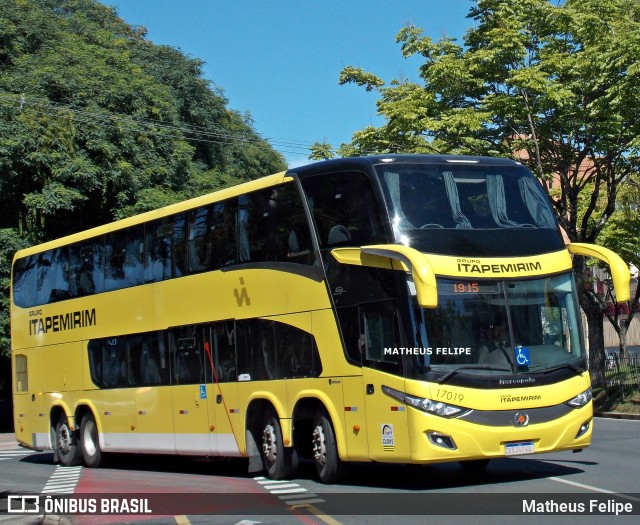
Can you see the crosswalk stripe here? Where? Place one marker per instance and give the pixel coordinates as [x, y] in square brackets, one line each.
[63, 480]
[291, 493]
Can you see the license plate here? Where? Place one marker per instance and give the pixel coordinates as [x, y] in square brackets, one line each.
[519, 448]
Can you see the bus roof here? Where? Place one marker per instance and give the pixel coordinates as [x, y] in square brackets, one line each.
[349, 163]
[375, 160]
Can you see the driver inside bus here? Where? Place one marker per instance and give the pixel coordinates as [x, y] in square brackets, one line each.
[496, 350]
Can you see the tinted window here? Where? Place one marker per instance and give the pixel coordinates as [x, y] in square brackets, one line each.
[368, 330]
[467, 209]
[24, 281]
[188, 356]
[297, 352]
[165, 247]
[256, 350]
[86, 268]
[53, 276]
[115, 362]
[273, 227]
[134, 360]
[270, 350]
[148, 357]
[212, 236]
[222, 351]
[344, 209]
[124, 250]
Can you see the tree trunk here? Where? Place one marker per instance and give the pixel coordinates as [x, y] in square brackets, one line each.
[595, 325]
[596, 337]
[623, 337]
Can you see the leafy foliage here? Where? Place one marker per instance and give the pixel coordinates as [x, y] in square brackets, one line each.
[555, 85]
[97, 123]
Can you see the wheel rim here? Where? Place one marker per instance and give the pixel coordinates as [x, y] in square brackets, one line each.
[269, 444]
[89, 438]
[319, 446]
[64, 438]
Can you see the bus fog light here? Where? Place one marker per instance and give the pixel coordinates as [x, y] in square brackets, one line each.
[583, 429]
[442, 440]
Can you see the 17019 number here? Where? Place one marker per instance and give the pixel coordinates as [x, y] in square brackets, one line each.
[449, 395]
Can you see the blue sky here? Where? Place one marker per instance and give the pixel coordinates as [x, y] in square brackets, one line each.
[280, 60]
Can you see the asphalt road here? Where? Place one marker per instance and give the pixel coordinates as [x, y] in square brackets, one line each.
[591, 487]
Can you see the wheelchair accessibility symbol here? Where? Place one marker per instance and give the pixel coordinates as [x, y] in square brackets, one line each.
[522, 356]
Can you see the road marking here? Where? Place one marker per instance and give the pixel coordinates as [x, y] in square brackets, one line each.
[292, 493]
[592, 488]
[318, 513]
[182, 520]
[63, 480]
[13, 454]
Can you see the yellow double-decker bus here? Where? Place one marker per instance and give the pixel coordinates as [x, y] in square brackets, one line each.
[397, 308]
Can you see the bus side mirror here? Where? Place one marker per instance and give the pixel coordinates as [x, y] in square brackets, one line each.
[396, 257]
[619, 270]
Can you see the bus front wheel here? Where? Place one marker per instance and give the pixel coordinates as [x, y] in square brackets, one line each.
[325, 451]
[67, 444]
[89, 442]
[279, 461]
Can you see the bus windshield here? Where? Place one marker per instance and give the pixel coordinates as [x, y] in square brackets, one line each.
[515, 326]
[464, 209]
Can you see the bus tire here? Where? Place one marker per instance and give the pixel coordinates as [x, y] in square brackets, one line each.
[67, 448]
[474, 464]
[325, 451]
[279, 461]
[90, 442]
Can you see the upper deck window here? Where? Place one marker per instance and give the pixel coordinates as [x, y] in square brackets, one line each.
[344, 209]
[468, 209]
[263, 227]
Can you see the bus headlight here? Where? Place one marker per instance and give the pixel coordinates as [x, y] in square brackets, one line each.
[581, 399]
[433, 407]
[426, 405]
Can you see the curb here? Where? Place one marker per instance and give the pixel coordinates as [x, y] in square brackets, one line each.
[617, 415]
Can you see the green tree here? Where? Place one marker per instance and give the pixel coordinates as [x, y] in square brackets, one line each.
[98, 123]
[622, 235]
[557, 85]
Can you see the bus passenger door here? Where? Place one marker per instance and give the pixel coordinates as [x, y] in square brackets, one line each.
[150, 366]
[190, 392]
[386, 417]
[222, 388]
[119, 406]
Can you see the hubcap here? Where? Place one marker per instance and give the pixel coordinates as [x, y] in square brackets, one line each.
[319, 446]
[89, 443]
[269, 447]
[64, 438]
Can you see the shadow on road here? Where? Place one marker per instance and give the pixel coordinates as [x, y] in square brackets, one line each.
[438, 476]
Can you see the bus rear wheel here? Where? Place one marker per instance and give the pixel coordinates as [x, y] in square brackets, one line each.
[90, 443]
[66, 445]
[325, 451]
[279, 461]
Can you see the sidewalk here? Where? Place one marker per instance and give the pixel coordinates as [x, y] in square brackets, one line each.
[8, 440]
[617, 415]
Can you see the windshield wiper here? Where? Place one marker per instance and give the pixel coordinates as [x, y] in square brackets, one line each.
[471, 367]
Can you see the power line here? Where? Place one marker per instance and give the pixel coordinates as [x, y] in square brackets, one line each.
[192, 133]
